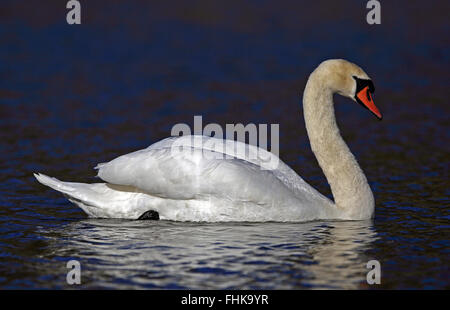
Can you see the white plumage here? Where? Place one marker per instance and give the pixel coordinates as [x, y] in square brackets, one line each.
[197, 178]
[188, 183]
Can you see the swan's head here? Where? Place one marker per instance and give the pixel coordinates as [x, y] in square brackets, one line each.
[349, 80]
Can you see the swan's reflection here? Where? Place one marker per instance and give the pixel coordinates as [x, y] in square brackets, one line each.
[148, 254]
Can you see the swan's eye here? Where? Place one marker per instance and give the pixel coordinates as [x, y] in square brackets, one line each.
[363, 83]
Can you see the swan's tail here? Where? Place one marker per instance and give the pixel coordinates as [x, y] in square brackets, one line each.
[97, 200]
[101, 200]
[56, 184]
[83, 195]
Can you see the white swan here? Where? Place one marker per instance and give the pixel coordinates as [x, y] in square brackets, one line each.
[186, 185]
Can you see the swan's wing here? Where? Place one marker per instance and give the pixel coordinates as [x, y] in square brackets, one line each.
[196, 167]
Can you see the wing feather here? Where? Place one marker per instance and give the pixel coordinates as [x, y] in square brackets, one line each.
[198, 167]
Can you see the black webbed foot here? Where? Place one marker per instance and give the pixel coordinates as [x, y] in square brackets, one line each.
[149, 215]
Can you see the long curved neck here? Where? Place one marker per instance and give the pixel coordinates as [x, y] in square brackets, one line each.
[352, 195]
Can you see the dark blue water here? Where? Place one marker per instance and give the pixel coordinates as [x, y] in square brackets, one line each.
[74, 96]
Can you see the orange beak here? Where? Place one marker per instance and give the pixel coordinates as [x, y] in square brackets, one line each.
[365, 98]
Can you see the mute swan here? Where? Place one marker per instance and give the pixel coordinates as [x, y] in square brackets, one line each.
[186, 185]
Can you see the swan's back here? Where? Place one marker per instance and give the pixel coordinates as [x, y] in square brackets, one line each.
[221, 172]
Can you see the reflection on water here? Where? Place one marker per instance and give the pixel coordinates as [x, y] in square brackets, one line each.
[133, 254]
